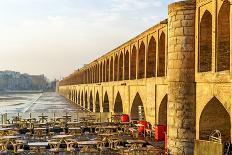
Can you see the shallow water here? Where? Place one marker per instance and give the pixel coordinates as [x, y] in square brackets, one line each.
[34, 104]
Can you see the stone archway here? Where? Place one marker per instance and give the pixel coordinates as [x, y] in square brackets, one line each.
[126, 66]
[105, 104]
[141, 61]
[135, 113]
[120, 72]
[91, 102]
[133, 63]
[205, 53]
[151, 58]
[223, 41]
[161, 56]
[214, 117]
[116, 68]
[79, 98]
[162, 117]
[97, 103]
[82, 99]
[86, 100]
[118, 107]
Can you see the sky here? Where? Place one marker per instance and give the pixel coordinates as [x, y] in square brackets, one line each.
[56, 37]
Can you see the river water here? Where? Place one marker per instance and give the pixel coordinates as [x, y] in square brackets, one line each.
[35, 104]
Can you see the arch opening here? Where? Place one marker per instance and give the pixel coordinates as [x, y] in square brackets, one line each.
[97, 103]
[111, 70]
[86, 100]
[205, 49]
[126, 66]
[151, 58]
[107, 70]
[133, 64]
[82, 99]
[141, 61]
[116, 68]
[106, 103]
[79, 98]
[214, 117]
[118, 107]
[91, 102]
[223, 41]
[137, 109]
[120, 77]
[162, 117]
[161, 56]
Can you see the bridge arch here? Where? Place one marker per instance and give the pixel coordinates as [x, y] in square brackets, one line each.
[126, 66]
[161, 55]
[104, 72]
[136, 105]
[101, 72]
[162, 116]
[141, 61]
[151, 58]
[116, 68]
[120, 77]
[133, 63]
[111, 69]
[107, 70]
[79, 98]
[106, 104]
[214, 117]
[223, 41]
[118, 107]
[82, 99]
[97, 103]
[91, 101]
[86, 100]
[205, 42]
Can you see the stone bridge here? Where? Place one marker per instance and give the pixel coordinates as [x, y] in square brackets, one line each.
[177, 73]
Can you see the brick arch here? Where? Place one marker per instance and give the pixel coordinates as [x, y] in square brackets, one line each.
[106, 104]
[91, 101]
[205, 43]
[141, 61]
[120, 67]
[151, 58]
[133, 63]
[116, 67]
[161, 55]
[223, 41]
[134, 113]
[214, 117]
[162, 114]
[118, 106]
[97, 102]
[126, 65]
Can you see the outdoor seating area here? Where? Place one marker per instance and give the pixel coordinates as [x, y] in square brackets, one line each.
[64, 134]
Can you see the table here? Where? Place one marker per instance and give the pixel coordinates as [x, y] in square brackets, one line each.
[5, 131]
[107, 129]
[62, 137]
[74, 131]
[67, 118]
[136, 143]
[38, 145]
[88, 145]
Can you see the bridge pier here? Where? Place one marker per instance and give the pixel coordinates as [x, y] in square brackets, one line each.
[181, 78]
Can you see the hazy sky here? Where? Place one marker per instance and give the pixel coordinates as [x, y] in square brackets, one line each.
[55, 37]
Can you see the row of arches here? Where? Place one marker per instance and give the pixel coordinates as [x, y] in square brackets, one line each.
[82, 98]
[137, 63]
[222, 46]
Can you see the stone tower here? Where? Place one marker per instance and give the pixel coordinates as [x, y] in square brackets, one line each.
[181, 77]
